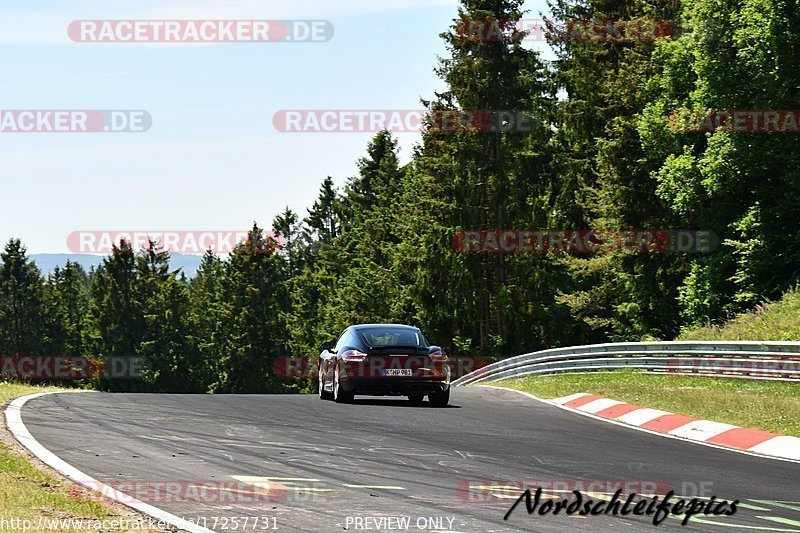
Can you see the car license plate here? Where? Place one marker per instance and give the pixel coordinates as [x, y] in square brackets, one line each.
[397, 372]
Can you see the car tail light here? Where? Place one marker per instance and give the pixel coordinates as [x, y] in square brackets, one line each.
[353, 355]
[438, 355]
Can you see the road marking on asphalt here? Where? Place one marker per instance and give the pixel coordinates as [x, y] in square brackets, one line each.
[777, 519]
[307, 489]
[502, 492]
[601, 495]
[794, 506]
[512, 493]
[737, 526]
[497, 487]
[269, 478]
[225, 489]
[281, 483]
[752, 507]
[383, 487]
[781, 520]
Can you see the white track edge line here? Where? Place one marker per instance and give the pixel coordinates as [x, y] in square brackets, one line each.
[622, 424]
[13, 414]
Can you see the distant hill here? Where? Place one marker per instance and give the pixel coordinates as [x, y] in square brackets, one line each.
[48, 262]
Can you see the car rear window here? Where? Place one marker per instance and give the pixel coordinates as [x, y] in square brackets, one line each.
[391, 336]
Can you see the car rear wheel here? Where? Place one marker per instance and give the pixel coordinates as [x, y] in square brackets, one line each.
[439, 399]
[323, 394]
[339, 394]
[416, 399]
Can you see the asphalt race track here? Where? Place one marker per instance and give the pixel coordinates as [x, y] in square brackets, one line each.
[332, 467]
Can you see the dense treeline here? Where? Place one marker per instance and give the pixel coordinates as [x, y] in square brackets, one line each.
[601, 155]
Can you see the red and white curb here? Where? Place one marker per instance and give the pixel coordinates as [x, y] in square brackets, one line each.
[685, 427]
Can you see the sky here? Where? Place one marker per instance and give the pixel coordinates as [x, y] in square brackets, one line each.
[212, 159]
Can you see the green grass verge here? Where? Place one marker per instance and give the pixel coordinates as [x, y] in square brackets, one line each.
[30, 493]
[776, 321]
[768, 405]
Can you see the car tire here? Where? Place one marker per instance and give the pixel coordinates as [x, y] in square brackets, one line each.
[323, 394]
[439, 399]
[416, 399]
[339, 395]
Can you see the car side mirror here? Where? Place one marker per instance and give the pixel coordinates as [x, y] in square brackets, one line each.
[327, 345]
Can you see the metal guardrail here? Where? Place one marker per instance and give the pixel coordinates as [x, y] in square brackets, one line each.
[744, 359]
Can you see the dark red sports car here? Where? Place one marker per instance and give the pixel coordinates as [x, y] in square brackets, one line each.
[384, 360]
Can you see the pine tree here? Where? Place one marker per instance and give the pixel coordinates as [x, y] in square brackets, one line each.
[252, 295]
[319, 266]
[163, 300]
[21, 293]
[207, 331]
[484, 180]
[366, 287]
[115, 317]
[324, 220]
[606, 173]
[287, 230]
[66, 304]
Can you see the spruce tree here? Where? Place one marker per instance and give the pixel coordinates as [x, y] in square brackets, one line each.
[66, 304]
[21, 293]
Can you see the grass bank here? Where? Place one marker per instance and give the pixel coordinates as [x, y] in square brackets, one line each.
[768, 405]
[775, 321]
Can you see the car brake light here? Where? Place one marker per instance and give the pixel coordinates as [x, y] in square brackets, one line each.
[438, 355]
[353, 355]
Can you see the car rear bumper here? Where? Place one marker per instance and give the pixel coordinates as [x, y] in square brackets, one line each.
[394, 386]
